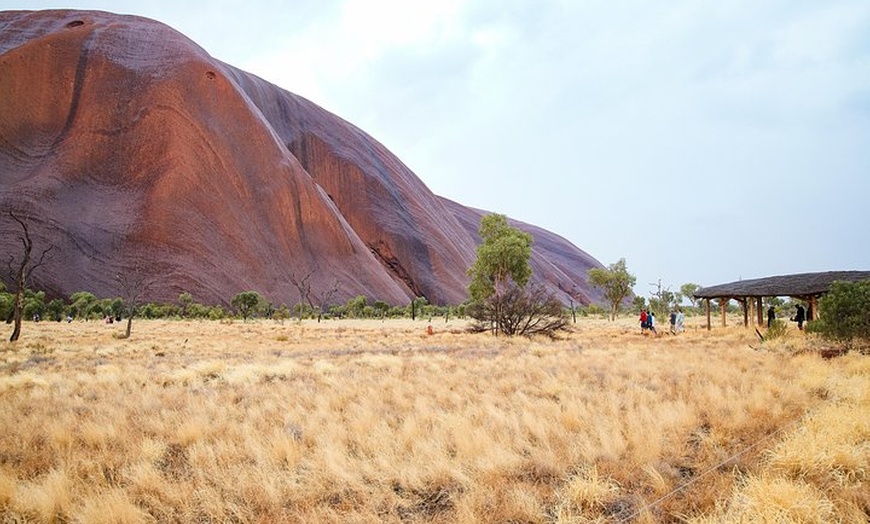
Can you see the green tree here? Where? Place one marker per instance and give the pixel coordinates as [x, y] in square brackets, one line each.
[381, 308]
[54, 309]
[7, 301]
[615, 281]
[34, 304]
[637, 304]
[215, 312]
[356, 306]
[688, 291]
[417, 304]
[80, 303]
[502, 260]
[845, 313]
[115, 308]
[282, 313]
[185, 300]
[246, 303]
[500, 297]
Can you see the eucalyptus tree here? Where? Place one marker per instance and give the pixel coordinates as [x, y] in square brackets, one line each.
[615, 281]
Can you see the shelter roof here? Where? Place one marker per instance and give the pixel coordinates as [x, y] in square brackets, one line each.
[798, 285]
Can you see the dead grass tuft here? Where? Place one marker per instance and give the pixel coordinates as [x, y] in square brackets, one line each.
[357, 421]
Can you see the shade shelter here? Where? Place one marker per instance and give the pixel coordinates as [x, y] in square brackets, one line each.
[749, 293]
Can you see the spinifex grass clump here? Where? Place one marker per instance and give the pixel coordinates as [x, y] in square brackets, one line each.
[381, 422]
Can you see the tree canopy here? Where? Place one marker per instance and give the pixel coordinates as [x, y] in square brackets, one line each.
[246, 303]
[615, 281]
[502, 257]
[845, 313]
[688, 291]
[500, 299]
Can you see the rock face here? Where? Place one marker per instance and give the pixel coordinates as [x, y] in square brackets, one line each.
[125, 145]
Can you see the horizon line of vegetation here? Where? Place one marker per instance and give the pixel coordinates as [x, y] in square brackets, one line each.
[84, 305]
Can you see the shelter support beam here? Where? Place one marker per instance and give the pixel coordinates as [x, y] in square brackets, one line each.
[722, 303]
[750, 309]
[744, 303]
[759, 309]
[707, 304]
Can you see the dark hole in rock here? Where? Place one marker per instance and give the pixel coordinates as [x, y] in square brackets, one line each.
[75, 23]
[210, 75]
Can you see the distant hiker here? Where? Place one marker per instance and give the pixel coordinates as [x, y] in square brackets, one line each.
[771, 316]
[800, 316]
[673, 321]
[651, 323]
[680, 320]
[643, 321]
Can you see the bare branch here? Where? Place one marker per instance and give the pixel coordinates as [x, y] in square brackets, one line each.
[133, 286]
[39, 263]
[25, 270]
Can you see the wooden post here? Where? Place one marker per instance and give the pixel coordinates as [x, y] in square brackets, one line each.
[811, 309]
[707, 303]
[759, 307]
[722, 303]
[746, 306]
[817, 310]
[749, 311]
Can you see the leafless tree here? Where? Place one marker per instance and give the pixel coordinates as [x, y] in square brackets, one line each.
[133, 285]
[315, 301]
[303, 285]
[21, 275]
[324, 297]
[574, 294]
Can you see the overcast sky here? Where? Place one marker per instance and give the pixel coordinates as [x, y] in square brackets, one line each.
[703, 141]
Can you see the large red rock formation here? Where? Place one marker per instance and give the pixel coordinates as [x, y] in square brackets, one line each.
[125, 145]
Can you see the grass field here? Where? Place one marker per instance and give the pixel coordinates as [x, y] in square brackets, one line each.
[368, 421]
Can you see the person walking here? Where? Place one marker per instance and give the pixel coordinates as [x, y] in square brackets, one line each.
[651, 323]
[673, 321]
[800, 317]
[771, 316]
[643, 321]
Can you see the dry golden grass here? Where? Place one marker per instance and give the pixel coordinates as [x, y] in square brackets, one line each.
[369, 421]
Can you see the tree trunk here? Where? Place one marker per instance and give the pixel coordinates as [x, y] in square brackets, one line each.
[23, 275]
[19, 297]
[129, 326]
[19, 305]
